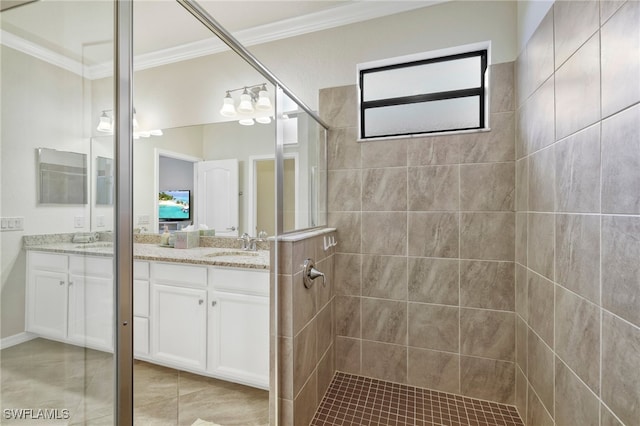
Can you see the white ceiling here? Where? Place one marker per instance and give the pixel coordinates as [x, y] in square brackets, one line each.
[82, 31]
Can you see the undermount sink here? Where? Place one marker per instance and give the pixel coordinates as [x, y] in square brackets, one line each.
[104, 244]
[233, 253]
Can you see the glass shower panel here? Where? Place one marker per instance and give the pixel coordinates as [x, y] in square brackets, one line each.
[57, 300]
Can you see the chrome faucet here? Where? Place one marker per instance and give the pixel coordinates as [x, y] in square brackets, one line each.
[249, 243]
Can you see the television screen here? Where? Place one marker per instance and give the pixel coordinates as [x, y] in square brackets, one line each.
[174, 205]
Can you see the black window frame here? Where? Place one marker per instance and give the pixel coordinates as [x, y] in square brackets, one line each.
[426, 97]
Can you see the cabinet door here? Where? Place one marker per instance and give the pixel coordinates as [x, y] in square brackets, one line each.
[239, 338]
[91, 311]
[179, 325]
[47, 301]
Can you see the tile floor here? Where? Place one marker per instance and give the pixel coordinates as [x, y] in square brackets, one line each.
[355, 400]
[46, 374]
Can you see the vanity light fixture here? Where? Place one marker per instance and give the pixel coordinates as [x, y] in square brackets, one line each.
[107, 124]
[253, 100]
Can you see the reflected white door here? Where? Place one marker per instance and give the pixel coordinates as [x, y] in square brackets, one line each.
[217, 195]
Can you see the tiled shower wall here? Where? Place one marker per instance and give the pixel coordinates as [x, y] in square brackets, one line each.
[306, 325]
[578, 217]
[424, 268]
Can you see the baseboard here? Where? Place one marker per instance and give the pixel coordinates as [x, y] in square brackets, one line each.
[16, 339]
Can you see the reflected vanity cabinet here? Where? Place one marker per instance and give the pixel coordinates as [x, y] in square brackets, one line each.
[70, 298]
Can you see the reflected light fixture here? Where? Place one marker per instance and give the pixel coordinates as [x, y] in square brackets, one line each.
[107, 124]
[254, 99]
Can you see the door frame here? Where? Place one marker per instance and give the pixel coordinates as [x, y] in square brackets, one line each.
[253, 194]
[157, 153]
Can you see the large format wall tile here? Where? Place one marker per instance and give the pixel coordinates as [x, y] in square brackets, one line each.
[348, 230]
[384, 361]
[621, 59]
[575, 404]
[384, 153]
[621, 162]
[487, 187]
[540, 243]
[574, 23]
[540, 361]
[577, 177]
[434, 327]
[347, 270]
[488, 285]
[384, 189]
[540, 58]
[521, 394]
[521, 237]
[384, 233]
[607, 418]
[620, 266]
[502, 96]
[487, 334]
[344, 188]
[487, 379]
[304, 356]
[343, 149]
[522, 184]
[577, 339]
[433, 234]
[578, 254]
[540, 293]
[434, 370]
[347, 311]
[487, 236]
[384, 277]
[384, 320]
[496, 145]
[433, 280]
[348, 354]
[538, 118]
[621, 368]
[521, 344]
[542, 180]
[578, 90]
[536, 413]
[521, 291]
[338, 106]
[433, 150]
[433, 188]
[608, 8]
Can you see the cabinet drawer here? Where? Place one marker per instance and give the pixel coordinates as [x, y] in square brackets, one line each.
[140, 270]
[141, 298]
[247, 281]
[141, 336]
[48, 261]
[176, 274]
[91, 266]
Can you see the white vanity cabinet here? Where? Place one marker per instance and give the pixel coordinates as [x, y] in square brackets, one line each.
[179, 315]
[141, 302]
[70, 298]
[238, 344]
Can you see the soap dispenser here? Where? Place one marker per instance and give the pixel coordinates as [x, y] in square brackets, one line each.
[164, 238]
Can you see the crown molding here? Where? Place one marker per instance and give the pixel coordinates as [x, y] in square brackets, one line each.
[318, 21]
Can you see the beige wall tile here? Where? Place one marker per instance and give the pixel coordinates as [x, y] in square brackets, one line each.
[607, 418]
[305, 303]
[348, 269]
[384, 189]
[540, 56]
[536, 412]
[344, 189]
[542, 180]
[487, 379]
[521, 394]
[538, 118]
[487, 236]
[434, 370]
[433, 280]
[521, 238]
[433, 234]
[434, 327]
[433, 150]
[495, 145]
[324, 333]
[384, 153]
[521, 290]
[540, 364]
[574, 23]
[522, 332]
[488, 334]
[304, 356]
[384, 320]
[306, 403]
[348, 354]
[577, 336]
[522, 184]
[502, 96]
[384, 233]
[487, 187]
[326, 369]
[621, 368]
[338, 106]
[347, 311]
[540, 243]
[575, 403]
[384, 277]
[285, 310]
[384, 361]
[348, 230]
[343, 149]
[488, 285]
[432, 188]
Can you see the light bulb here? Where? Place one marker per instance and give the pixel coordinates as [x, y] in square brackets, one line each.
[228, 109]
[105, 123]
[245, 106]
[264, 103]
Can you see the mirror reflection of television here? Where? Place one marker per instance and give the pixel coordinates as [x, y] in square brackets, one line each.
[173, 205]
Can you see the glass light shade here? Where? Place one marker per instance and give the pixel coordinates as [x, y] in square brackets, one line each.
[264, 103]
[264, 120]
[156, 132]
[144, 134]
[246, 122]
[228, 109]
[245, 105]
[105, 124]
[135, 122]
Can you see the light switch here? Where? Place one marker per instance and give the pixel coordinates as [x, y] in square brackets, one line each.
[3, 223]
[100, 221]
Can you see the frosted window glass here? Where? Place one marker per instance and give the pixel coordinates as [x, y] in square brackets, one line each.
[448, 114]
[420, 79]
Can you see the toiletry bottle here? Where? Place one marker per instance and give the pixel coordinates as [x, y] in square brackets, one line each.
[164, 238]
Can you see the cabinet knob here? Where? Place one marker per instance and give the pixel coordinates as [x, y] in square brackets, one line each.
[61, 282]
[200, 302]
[214, 303]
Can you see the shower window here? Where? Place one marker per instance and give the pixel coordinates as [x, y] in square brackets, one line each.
[434, 92]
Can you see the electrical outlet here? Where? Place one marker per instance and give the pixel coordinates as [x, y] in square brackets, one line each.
[143, 219]
[78, 222]
[12, 223]
[100, 221]
[3, 223]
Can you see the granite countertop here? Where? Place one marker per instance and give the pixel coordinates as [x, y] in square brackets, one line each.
[212, 256]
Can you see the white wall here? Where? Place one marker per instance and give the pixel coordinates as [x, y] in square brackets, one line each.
[530, 14]
[42, 106]
[175, 174]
